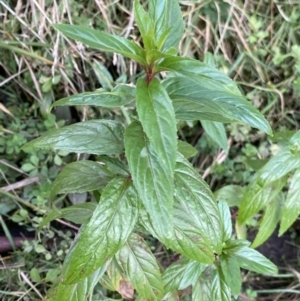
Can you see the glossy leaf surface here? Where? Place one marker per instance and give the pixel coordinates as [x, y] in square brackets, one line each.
[198, 202]
[167, 17]
[200, 73]
[225, 219]
[191, 274]
[103, 41]
[219, 290]
[151, 179]
[292, 204]
[122, 96]
[252, 260]
[211, 101]
[189, 239]
[231, 273]
[216, 131]
[102, 237]
[91, 137]
[173, 275]
[157, 116]
[141, 268]
[81, 176]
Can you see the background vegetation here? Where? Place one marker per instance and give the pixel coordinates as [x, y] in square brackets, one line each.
[257, 43]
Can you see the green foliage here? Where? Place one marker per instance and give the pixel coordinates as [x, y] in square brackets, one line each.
[159, 192]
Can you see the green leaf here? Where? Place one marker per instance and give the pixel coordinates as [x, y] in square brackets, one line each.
[173, 275]
[269, 220]
[198, 202]
[232, 246]
[151, 179]
[145, 25]
[120, 96]
[78, 291]
[196, 72]
[216, 131]
[91, 137]
[252, 260]
[232, 194]
[219, 289]
[78, 214]
[169, 26]
[157, 116]
[292, 205]
[141, 268]
[225, 219]
[209, 99]
[280, 165]
[103, 41]
[81, 176]
[186, 149]
[103, 75]
[294, 143]
[189, 239]
[257, 196]
[201, 290]
[191, 274]
[231, 273]
[105, 233]
[116, 166]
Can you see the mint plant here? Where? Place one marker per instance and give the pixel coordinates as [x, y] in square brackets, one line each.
[157, 192]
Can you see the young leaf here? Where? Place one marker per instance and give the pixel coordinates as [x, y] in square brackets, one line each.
[292, 205]
[81, 176]
[151, 179]
[78, 291]
[103, 41]
[167, 17]
[198, 202]
[216, 131]
[257, 196]
[78, 213]
[212, 100]
[279, 166]
[105, 233]
[225, 219]
[117, 98]
[141, 268]
[91, 137]
[191, 274]
[145, 25]
[252, 260]
[157, 116]
[231, 273]
[269, 221]
[186, 149]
